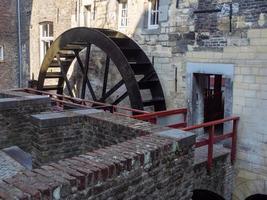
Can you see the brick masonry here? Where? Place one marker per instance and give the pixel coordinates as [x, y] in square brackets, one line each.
[220, 178]
[65, 134]
[9, 67]
[143, 168]
[182, 37]
[98, 155]
[154, 166]
[15, 111]
[8, 39]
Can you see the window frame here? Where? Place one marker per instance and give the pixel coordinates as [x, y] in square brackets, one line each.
[121, 17]
[1, 53]
[45, 38]
[152, 11]
[87, 15]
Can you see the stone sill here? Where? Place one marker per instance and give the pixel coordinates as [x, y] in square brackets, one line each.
[147, 31]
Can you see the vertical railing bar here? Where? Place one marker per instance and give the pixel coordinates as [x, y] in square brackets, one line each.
[234, 141]
[210, 146]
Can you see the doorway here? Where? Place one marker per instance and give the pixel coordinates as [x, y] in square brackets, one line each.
[211, 87]
[210, 92]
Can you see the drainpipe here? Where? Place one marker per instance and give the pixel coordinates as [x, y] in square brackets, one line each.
[19, 44]
[79, 12]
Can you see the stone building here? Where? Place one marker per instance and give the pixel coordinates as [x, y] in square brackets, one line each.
[8, 44]
[14, 43]
[196, 46]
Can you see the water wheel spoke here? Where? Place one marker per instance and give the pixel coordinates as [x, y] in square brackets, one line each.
[112, 90]
[64, 75]
[85, 75]
[121, 98]
[105, 77]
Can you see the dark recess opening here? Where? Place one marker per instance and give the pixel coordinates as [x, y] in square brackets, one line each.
[257, 197]
[210, 98]
[205, 195]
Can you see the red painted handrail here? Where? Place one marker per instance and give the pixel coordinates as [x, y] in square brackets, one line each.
[212, 139]
[152, 117]
[62, 100]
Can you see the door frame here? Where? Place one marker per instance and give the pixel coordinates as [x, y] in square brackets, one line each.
[227, 70]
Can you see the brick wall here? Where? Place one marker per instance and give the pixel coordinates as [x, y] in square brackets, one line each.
[66, 134]
[155, 166]
[9, 68]
[8, 39]
[91, 154]
[219, 179]
[15, 111]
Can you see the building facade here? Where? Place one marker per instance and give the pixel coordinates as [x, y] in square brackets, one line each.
[201, 49]
[8, 45]
[14, 43]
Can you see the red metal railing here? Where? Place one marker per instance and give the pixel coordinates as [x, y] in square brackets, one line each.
[212, 138]
[62, 100]
[153, 117]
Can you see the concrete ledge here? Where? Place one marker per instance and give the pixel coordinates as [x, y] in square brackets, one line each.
[185, 139]
[52, 119]
[9, 103]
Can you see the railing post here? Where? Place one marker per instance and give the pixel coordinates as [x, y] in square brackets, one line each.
[153, 120]
[210, 146]
[234, 141]
[185, 118]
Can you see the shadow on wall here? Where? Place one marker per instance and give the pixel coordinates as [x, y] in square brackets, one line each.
[257, 197]
[205, 195]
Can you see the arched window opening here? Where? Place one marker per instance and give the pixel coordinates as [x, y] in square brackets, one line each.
[205, 195]
[257, 197]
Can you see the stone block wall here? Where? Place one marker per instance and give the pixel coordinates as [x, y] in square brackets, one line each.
[155, 166]
[15, 111]
[66, 134]
[249, 102]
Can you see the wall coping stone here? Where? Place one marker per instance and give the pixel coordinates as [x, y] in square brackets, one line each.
[186, 138]
[52, 119]
[10, 103]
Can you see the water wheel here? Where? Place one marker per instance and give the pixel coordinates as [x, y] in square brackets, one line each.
[125, 54]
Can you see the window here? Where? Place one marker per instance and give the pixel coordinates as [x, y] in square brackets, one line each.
[87, 15]
[123, 14]
[46, 38]
[1, 53]
[153, 14]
